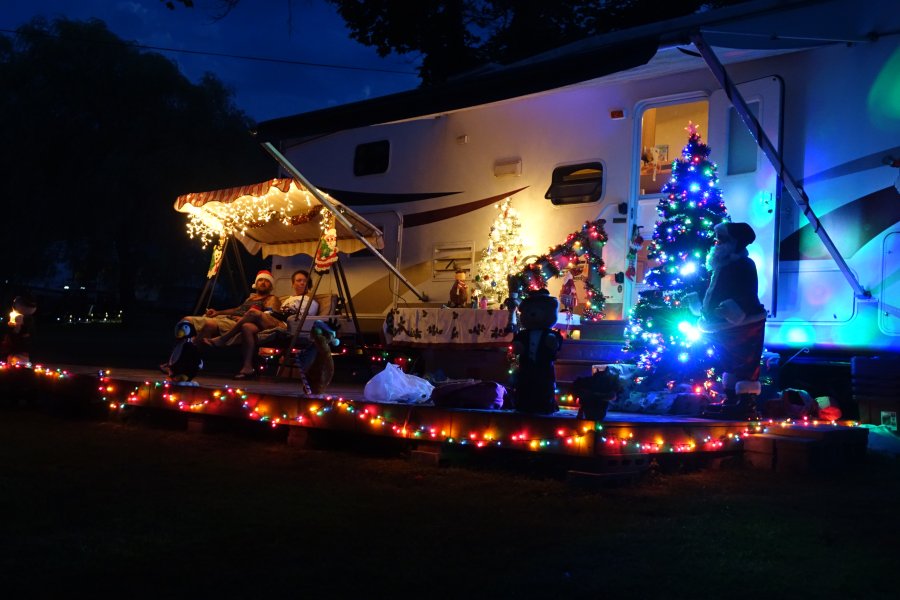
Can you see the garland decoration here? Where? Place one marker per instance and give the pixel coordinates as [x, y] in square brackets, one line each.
[586, 246]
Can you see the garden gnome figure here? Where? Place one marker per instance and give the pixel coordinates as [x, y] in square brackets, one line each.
[733, 318]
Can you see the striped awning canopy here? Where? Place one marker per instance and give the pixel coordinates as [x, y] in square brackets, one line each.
[278, 216]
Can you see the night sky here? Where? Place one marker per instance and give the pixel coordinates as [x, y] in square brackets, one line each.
[303, 31]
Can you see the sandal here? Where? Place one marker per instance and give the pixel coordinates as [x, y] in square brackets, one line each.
[245, 376]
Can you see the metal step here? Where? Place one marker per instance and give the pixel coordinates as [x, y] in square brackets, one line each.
[605, 331]
[591, 351]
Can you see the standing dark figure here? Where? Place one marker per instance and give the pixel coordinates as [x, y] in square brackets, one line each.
[536, 345]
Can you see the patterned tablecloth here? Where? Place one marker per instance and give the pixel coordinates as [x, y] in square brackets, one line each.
[448, 326]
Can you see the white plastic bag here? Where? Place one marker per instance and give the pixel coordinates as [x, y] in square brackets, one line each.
[393, 385]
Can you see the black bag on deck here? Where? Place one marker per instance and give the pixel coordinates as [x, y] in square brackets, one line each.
[469, 394]
[594, 394]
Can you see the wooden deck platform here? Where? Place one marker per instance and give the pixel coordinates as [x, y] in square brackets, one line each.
[621, 441]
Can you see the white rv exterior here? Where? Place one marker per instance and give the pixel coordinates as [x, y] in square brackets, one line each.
[833, 112]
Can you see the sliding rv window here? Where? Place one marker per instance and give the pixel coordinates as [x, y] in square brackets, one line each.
[371, 158]
[576, 184]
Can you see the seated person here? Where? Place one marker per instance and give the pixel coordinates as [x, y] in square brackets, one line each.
[253, 314]
[255, 320]
[293, 306]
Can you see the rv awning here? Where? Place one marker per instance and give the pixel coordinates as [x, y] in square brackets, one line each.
[277, 217]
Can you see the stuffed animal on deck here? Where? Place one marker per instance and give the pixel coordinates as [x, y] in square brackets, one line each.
[595, 393]
[15, 347]
[459, 292]
[536, 345]
[185, 361]
[316, 360]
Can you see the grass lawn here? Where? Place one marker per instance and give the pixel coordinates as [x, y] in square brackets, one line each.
[137, 510]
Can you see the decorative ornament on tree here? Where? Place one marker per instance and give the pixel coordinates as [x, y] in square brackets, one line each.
[661, 332]
[634, 247]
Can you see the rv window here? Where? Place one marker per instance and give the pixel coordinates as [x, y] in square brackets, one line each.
[741, 146]
[576, 184]
[371, 158]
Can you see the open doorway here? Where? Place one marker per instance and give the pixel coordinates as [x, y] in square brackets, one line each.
[663, 134]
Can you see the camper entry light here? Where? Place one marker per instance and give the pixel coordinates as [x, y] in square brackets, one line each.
[13, 315]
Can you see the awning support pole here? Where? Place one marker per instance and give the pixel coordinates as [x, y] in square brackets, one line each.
[299, 178]
[762, 140]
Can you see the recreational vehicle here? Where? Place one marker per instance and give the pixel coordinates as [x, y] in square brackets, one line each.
[798, 100]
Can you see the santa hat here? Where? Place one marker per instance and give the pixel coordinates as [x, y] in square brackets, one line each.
[265, 275]
[741, 233]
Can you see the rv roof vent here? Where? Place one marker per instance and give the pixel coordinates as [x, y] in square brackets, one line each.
[507, 166]
[576, 184]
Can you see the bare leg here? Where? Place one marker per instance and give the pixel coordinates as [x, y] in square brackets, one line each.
[248, 333]
[209, 328]
[254, 317]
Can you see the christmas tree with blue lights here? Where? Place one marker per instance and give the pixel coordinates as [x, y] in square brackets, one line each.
[662, 337]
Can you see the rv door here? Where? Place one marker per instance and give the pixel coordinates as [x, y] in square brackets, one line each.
[748, 181]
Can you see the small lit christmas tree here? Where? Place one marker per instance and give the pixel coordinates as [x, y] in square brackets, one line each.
[502, 256]
[661, 331]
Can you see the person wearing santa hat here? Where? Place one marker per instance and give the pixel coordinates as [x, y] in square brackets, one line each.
[731, 314]
[218, 327]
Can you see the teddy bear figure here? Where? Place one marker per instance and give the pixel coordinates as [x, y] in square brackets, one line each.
[459, 293]
[536, 346]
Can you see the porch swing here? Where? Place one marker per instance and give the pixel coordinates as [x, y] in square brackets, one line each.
[286, 217]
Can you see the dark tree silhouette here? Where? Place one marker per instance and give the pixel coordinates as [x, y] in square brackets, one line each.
[99, 139]
[454, 36]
